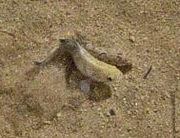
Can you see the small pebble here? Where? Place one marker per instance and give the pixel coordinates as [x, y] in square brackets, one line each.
[99, 109]
[47, 122]
[129, 129]
[112, 112]
[115, 88]
[177, 129]
[58, 115]
[129, 112]
[132, 38]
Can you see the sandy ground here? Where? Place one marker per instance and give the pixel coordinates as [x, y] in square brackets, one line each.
[37, 103]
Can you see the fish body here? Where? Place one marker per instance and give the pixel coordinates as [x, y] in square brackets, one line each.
[88, 65]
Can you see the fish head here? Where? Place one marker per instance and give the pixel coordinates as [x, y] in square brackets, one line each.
[69, 45]
[114, 77]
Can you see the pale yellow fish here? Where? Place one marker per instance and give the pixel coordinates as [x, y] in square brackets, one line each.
[88, 65]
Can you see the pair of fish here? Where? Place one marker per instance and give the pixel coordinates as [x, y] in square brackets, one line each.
[87, 64]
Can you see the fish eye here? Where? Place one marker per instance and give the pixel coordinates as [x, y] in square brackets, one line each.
[109, 78]
[62, 40]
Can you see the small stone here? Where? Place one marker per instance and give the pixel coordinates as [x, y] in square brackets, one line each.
[124, 100]
[47, 122]
[177, 129]
[132, 38]
[101, 131]
[101, 115]
[58, 114]
[115, 88]
[155, 110]
[112, 112]
[107, 114]
[129, 129]
[147, 110]
[86, 136]
[102, 126]
[129, 112]
[99, 109]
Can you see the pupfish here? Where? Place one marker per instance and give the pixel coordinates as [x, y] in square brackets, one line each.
[88, 65]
